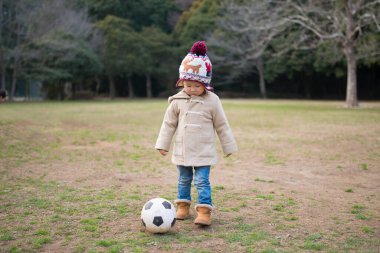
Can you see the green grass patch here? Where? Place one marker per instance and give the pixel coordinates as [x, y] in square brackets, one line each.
[364, 166]
[246, 238]
[41, 241]
[279, 207]
[352, 243]
[6, 236]
[358, 210]
[361, 216]
[268, 251]
[134, 197]
[263, 181]
[40, 203]
[312, 242]
[290, 218]
[15, 249]
[266, 197]
[244, 234]
[314, 246]
[90, 221]
[41, 232]
[217, 188]
[134, 156]
[106, 243]
[368, 230]
[272, 159]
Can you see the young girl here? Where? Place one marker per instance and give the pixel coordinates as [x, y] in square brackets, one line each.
[194, 114]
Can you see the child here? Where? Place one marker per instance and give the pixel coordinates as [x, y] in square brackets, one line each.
[194, 114]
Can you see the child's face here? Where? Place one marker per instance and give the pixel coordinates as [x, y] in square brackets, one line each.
[193, 88]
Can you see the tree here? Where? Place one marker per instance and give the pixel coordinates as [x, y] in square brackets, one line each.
[2, 46]
[237, 55]
[121, 53]
[155, 55]
[59, 57]
[139, 13]
[100, 9]
[13, 15]
[61, 51]
[147, 13]
[38, 29]
[348, 24]
[138, 49]
[198, 22]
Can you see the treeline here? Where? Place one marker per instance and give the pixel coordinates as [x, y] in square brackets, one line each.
[77, 48]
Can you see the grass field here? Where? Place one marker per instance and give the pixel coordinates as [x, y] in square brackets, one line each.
[75, 175]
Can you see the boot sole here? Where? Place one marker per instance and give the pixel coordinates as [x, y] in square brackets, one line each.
[202, 223]
[182, 218]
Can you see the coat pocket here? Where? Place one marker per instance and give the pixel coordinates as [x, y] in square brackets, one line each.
[178, 146]
[207, 149]
[194, 118]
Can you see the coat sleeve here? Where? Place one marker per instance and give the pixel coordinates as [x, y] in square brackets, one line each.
[223, 130]
[168, 127]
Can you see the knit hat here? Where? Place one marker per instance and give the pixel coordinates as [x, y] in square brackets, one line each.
[196, 66]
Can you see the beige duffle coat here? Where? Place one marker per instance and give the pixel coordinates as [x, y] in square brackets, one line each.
[194, 120]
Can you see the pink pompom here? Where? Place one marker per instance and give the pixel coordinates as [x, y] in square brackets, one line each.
[199, 48]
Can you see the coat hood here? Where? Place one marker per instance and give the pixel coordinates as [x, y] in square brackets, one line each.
[180, 95]
[183, 95]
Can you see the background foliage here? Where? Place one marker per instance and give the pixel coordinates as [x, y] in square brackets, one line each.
[87, 48]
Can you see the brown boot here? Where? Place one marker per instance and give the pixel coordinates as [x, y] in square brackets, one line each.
[183, 208]
[204, 214]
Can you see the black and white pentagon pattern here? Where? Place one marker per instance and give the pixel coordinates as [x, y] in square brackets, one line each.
[173, 222]
[158, 221]
[167, 205]
[148, 205]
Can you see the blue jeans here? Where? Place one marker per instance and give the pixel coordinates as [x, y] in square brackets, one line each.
[201, 182]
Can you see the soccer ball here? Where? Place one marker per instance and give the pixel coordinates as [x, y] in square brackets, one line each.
[158, 215]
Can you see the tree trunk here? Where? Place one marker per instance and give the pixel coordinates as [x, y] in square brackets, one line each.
[68, 90]
[351, 94]
[61, 91]
[2, 63]
[349, 52]
[73, 90]
[148, 86]
[97, 80]
[112, 87]
[260, 69]
[15, 64]
[13, 87]
[27, 90]
[131, 93]
[3, 87]
[308, 88]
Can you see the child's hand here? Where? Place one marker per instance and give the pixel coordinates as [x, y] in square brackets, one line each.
[228, 154]
[163, 152]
